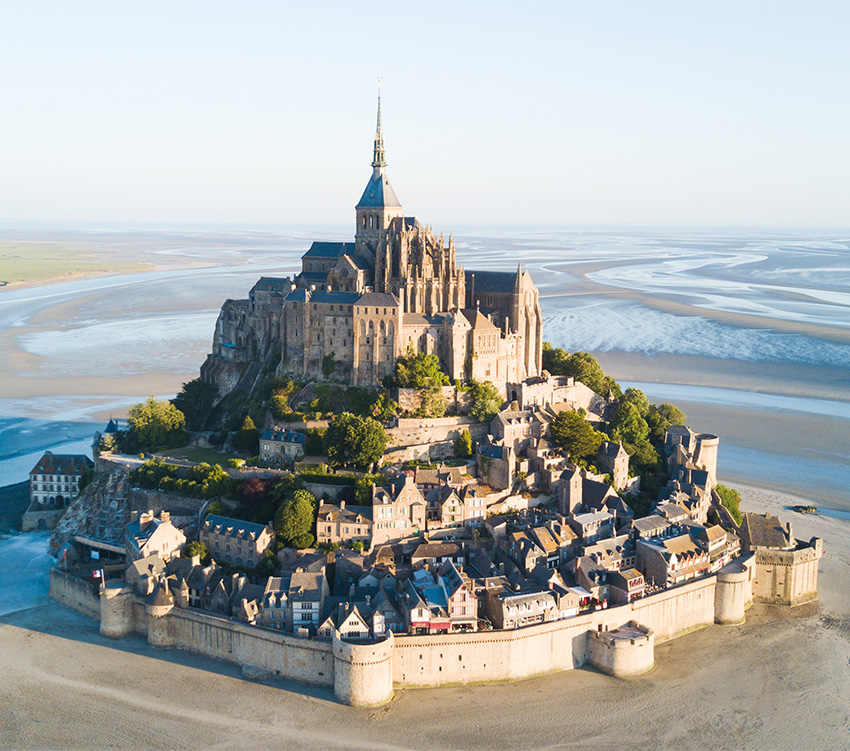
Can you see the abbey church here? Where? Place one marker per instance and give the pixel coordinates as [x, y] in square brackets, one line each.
[355, 307]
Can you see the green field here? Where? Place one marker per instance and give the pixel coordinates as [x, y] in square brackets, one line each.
[40, 262]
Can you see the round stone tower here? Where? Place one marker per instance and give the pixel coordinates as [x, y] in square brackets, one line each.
[363, 673]
[116, 610]
[734, 591]
[158, 605]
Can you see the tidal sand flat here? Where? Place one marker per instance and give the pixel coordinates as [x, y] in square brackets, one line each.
[779, 681]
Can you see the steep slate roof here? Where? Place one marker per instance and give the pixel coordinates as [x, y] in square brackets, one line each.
[379, 298]
[478, 320]
[491, 281]
[378, 193]
[61, 464]
[284, 436]
[235, 528]
[329, 250]
[272, 284]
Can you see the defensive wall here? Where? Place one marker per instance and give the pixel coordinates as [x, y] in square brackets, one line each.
[364, 674]
[428, 439]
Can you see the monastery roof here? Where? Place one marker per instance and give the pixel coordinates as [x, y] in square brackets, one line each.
[346, 298]
[420, 319]
[491, 281]
[378, 193]
[404, 222]
[329, 250]
[61, 464]
[272, 284]
[478, 320]
[379, 298]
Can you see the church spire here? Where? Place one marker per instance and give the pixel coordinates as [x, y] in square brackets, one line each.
[378, 157]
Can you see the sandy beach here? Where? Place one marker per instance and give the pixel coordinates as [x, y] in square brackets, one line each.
[780, 681]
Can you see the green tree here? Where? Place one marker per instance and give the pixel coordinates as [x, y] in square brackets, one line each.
[294, 520]
[195, 401]
[383, 408]
[638, 399]
[486, 401]
[463, 445]
[574, 434]
[152, 472]
[195, 548]
[628, 425]
[157, 424]
[248, 437]
[581, 366]
[663, 417]
[731, 499]
[417, 370]
[351, 439]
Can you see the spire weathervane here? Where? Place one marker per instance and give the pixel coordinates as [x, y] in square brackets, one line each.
[378, 158]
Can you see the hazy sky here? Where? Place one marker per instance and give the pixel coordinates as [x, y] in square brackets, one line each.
[556, 113]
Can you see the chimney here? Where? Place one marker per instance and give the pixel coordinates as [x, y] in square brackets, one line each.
[146, 516]
[165, 516]
[342, 504]
[134, 515]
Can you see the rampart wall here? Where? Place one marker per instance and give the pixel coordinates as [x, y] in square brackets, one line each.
[364, 674]
[74, 593]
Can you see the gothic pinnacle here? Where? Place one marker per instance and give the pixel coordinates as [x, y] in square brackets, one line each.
[379, 159]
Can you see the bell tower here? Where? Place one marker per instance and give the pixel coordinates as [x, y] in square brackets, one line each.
[379, 204]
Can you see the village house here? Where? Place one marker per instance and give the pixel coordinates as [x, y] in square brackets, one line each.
[593, 526]
[671, 560]
[281, 446]
[398, 511]
[234, 540]
[435, 554]
[275, 611]
[625, 586]
[343, 525]
[148, 535]
[54, 483]
[509, 608]
[306, 595]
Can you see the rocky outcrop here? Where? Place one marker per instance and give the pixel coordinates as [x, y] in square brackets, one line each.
[101, 511]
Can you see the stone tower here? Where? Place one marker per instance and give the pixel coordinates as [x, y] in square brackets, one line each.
[378, 205]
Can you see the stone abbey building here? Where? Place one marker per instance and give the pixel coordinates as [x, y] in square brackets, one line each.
[356, 306]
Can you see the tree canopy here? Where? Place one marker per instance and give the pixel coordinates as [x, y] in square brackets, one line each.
[731, 499]
[196, 401]
[351, 439]
[463, 444]
[248, 437]
[581, 366]
[293, 521]
[157, 423]
[417, 370]
[486, 401]
[574, 434]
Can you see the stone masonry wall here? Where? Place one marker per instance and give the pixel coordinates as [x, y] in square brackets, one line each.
[74, 593]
